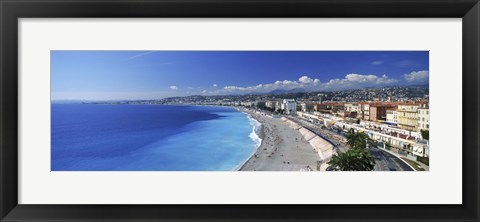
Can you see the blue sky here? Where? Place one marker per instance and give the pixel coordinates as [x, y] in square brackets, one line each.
[114, 75]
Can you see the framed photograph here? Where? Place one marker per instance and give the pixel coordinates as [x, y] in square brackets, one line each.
[225, 110]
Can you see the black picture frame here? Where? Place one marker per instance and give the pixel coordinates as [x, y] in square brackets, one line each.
[12, 10]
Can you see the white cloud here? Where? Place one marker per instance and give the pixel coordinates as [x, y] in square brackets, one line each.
[420, 76]
[173, 87]
[303, 82]
[377, 62]
[204, 91]
[350, 81]
[214, 85]
[358, 80]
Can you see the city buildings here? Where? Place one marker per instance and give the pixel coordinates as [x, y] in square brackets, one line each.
[423, 117]
[352, 107]
[260, 104]
[270, 104]
[351, 110]
[392, 116]
[289, 106]
[306, 106]
[378, 112]
[278, 106]
[318, 107]
[407, 116]
[365, 110]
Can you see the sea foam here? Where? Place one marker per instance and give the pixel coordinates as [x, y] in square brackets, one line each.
[255, 127]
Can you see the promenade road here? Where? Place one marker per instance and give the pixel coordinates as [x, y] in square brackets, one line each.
[385, 161]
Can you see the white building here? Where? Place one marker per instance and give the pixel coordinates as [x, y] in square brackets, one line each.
[249, 104]
[289, 106]
[352, 107]
[278, 106]
[423, 118]
[270, 104]
[392, 116]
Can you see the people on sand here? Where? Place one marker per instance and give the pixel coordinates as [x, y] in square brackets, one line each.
[278, 137]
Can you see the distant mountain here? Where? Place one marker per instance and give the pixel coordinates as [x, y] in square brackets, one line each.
[277, 91]
[282, 91]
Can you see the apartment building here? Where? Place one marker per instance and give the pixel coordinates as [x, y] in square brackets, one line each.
[352, 107]
[392, 116]
[270, 104]
[407, 116]
[423, 117]
[365, 110]
[289, 106]
[378, 112]
[306, 106]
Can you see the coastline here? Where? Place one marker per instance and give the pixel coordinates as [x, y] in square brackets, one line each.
[260, 134]
[282, 148]
[258, 131]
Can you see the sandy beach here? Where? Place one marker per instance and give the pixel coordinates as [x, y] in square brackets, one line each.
[283, 148]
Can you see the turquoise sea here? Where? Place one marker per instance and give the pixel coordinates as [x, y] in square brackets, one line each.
[93, 137]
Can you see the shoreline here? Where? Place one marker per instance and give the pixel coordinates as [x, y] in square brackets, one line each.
[258, 131]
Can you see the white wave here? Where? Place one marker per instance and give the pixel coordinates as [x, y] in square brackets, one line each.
[253, 135]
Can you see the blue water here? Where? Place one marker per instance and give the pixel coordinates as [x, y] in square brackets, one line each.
[89, 137]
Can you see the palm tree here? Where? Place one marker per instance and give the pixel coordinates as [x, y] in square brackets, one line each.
[352, 160]
[357, 140]
[357, 158]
